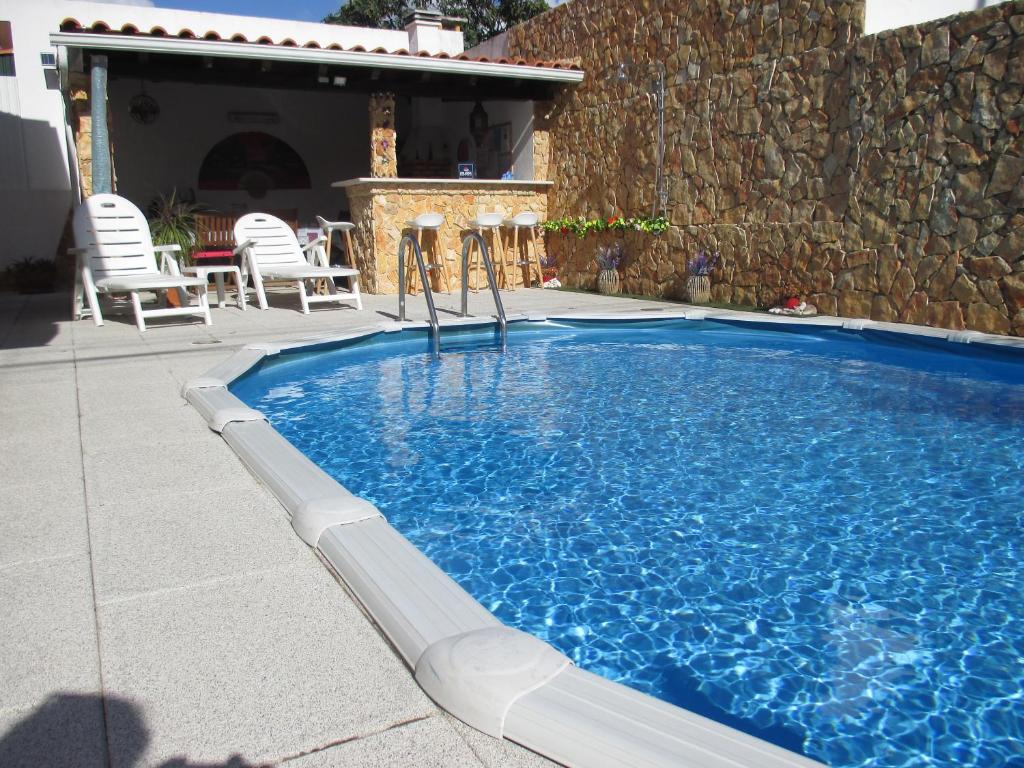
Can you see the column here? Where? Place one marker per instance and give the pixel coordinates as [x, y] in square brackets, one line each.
[102, 177]
[383, 157]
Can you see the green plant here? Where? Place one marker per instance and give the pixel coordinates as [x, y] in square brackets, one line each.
[582, 226]
[173, 222]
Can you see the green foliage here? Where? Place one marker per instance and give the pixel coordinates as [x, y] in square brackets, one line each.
[581, 226]
[172, 222]
[381, 14]
[484, 18]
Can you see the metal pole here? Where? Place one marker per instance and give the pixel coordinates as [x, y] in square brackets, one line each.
[102, 178]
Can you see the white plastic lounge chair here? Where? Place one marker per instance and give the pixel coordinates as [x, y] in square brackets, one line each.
[115, 254]
[270, 251]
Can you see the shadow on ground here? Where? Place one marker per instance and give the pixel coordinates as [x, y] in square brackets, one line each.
[71, 731]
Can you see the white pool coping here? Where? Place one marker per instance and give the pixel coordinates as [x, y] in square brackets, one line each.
[499, 680]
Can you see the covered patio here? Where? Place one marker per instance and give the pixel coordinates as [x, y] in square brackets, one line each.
[237, 123]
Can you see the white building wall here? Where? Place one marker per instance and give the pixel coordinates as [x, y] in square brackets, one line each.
[880, 15]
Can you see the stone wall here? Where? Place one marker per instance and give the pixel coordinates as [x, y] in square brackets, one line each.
[380, 210]
[878, 176]
[383, 153]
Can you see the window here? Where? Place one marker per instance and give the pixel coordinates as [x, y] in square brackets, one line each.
[6, 50]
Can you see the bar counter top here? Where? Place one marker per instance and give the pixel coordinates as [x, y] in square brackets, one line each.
[411, 182]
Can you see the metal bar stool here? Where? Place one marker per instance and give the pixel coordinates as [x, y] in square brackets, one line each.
[329, 228]
[528, 221]
[429, 222]
[492, 223]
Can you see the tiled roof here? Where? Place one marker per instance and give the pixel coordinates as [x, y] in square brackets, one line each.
[102, 28]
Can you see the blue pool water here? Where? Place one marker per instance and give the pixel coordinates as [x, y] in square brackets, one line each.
[814, 538]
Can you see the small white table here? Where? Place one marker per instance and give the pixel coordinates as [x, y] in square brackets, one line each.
[218, 271]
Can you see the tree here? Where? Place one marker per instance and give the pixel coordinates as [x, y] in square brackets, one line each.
[484, 18]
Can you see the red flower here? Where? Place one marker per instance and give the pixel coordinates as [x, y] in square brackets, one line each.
[612, 220]
[565, 230]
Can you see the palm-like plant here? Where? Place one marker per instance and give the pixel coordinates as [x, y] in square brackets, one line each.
[173, 222]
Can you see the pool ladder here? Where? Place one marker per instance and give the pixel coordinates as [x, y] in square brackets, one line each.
[410, 241]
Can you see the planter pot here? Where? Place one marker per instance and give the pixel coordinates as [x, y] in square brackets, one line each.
[698, 288]
[608, 282]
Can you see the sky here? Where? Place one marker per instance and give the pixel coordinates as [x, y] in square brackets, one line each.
[302, 10]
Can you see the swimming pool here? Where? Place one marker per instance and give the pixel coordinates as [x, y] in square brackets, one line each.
[808, 536]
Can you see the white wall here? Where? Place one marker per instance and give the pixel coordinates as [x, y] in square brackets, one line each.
[35, 190]
[436, 123]
[330, 131]
[880, 15]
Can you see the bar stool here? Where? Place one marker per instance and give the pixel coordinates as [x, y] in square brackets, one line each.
[492, 223]
[527, 221]
[329, 228]
[429, 222]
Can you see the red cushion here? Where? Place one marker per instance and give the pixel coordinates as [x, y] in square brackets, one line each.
[200, 255]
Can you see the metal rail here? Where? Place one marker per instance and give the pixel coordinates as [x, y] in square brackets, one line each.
[466, 242]
[435, 327]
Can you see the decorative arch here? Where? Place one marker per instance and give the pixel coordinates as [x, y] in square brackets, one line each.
[253, 162]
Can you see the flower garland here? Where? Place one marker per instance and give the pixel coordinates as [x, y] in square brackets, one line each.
[582, 226]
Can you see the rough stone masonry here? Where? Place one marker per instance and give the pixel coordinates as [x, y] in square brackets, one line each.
[879, 176]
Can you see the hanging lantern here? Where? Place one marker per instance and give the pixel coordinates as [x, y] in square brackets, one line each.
[478, 123]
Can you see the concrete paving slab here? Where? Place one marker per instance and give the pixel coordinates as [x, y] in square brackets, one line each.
[42, 519]
[428, 743]
[48, 643]
[263, 666]
[187, 538]
[496, 753]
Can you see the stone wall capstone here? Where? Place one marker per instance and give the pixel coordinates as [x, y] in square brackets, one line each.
[878, 176]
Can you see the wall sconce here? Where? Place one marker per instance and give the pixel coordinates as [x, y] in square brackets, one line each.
[478, 123]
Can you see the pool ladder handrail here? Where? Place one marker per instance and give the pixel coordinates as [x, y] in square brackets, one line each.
[428, 294]
[466, 242]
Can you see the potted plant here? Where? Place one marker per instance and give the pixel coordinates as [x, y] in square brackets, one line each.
[173, 222]
[698, 284]
[608, 259]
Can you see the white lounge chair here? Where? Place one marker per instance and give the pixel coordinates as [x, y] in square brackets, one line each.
[115, 254]
[270, 251]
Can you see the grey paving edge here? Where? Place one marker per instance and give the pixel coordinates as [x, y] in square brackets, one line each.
[492, 677]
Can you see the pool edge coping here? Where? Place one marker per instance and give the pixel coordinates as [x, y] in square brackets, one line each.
[502, 681]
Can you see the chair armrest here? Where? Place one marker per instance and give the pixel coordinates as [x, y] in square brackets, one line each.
[170, 247]
[313, 243]
[314, 252]
[242, 247]
[168, 264]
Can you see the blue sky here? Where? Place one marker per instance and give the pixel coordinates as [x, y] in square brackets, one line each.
[303, 10]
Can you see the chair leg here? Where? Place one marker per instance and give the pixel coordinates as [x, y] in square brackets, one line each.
[355, 292]
[498, 239]
[515, 255]
[91, 296]
[219, 280]
[204, 300]
[257, 281]
[302, 296]
[536, 257]
[240, 297]
[140, 321]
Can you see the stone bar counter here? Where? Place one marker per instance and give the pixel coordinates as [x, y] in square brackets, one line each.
[381, 208]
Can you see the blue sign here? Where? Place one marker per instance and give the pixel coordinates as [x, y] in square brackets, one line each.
[467, 171]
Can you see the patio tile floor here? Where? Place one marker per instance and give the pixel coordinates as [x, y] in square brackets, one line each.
[158, 608]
